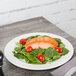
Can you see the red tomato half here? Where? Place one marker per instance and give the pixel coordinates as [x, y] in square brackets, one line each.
[23, 41]
[41, 57]
[58, 49]
[28, 49]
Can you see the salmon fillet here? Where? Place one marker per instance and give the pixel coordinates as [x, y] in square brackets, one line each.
[41, 42]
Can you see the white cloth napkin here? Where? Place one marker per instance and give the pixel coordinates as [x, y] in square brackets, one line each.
[68, 69]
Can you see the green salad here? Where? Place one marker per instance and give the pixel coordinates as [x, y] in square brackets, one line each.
[39, 56]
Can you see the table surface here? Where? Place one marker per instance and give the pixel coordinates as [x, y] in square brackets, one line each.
[32, 25]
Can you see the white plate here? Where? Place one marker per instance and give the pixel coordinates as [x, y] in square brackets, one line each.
[22, 64]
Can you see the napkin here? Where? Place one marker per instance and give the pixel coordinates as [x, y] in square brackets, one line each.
[68, 69]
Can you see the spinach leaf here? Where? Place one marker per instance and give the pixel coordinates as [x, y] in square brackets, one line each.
[20, 45]
[35, 52]
[33, 37]
[58, 40]
[37, 36]
[64, 51]
[61, 45]
[56, 57]
[51, 54]
[18, 55]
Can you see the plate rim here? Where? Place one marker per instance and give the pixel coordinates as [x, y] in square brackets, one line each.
[36, 68]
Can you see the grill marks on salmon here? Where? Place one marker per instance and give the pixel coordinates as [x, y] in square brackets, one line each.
[41, 42]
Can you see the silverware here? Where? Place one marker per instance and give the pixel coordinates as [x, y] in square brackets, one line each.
[1, 63]
[74, 74]
[71, 72]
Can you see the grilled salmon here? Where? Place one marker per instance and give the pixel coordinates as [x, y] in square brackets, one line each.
[41, 42]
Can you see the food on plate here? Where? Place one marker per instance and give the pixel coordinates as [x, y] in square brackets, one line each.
[22, 41]
[41, 42]
[40, 49]
[41, 57]
[28, 49]
[58, 49]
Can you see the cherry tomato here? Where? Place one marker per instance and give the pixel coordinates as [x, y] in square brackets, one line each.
[41, 57]
[58, 49]
[22, 41]
[28, 49]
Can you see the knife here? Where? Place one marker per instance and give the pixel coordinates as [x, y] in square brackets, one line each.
[1, 63]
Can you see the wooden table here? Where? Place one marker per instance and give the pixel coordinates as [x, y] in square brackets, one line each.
[33, 25]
